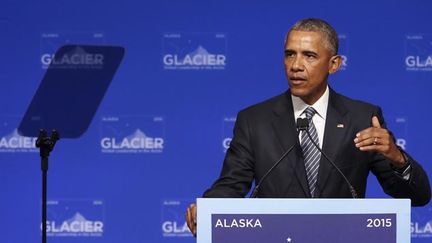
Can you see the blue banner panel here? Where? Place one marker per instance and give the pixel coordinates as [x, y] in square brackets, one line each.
[335, 228]
[159, 136]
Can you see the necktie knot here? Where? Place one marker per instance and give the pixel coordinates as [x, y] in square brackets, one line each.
[310, 112]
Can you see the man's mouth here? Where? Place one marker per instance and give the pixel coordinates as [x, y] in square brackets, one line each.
[297, 79]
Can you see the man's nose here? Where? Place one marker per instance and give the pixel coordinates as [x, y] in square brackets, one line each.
[297, 64]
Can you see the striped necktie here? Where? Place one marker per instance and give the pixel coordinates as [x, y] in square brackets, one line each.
[311, 154]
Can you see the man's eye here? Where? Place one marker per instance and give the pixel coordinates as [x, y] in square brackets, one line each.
[289, 54]
[311, 57]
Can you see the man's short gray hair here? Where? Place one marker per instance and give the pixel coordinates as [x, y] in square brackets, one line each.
[319, 25]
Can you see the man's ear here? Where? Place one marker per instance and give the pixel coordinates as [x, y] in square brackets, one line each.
[335, 63]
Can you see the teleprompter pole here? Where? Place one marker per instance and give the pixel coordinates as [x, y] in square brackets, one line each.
[46, 145]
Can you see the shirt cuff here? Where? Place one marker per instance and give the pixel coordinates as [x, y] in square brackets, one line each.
[404, 173]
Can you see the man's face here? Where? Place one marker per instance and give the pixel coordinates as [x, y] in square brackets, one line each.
[307, 64]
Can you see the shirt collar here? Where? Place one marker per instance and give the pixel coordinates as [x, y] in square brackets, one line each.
[320, 105]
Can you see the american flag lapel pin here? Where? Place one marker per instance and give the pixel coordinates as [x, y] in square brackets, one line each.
[340, 125]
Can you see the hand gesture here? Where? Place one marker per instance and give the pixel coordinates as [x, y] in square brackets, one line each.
[379, 140]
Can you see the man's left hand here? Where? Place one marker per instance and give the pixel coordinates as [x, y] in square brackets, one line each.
[379, 140]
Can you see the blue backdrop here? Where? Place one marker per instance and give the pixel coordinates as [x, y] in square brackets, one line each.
[159, 137]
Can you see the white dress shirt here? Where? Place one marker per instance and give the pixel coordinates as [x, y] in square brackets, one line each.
[319, 118]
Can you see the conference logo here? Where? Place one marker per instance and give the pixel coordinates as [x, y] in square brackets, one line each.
[78, 58]
[132, 134]
[11, 141]
[194, 51]
[343, 50]
[418, 52]
[75, 218]
[227, 132]
[173, 223]
[421, 223]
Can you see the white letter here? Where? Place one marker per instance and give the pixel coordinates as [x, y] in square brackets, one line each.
[218, 223]
[158, 143]
[46, 59]
[427, 228]
[98, 226]
[220, 60]
[168, 60]
[105, 143]
[167, 227]
[401, 142]
[258, 223]
[99, 59]
[409, 61]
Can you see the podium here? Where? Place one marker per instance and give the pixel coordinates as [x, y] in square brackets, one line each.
[303, 220]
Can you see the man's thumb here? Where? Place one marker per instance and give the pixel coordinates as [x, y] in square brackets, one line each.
[375, 122]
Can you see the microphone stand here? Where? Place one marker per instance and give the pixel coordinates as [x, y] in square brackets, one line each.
[46, 145]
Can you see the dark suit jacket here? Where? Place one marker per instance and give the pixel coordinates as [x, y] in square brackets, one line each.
[263, 132]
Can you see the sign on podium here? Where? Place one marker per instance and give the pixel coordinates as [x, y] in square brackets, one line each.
[303, 220]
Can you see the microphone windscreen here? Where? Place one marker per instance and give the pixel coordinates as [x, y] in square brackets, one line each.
[302, 123]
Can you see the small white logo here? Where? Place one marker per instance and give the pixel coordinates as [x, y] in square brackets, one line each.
[136, 142]
[173, 220]
[52, 41]
[132, 134]
[418, 52]
[76, 58]
[75, 218]
[75, 226]
[194, 51]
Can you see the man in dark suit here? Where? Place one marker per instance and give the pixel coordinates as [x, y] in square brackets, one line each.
[352, 133]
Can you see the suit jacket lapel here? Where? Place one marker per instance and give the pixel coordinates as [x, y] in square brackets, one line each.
[285, 129]
[335, 129]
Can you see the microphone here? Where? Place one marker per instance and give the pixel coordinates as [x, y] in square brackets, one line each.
[303, 125]
[258, 185]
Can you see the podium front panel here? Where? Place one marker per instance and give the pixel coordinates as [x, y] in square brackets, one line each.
[303, 220]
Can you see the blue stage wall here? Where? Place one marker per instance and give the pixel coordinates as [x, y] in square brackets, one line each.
[135, 193]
